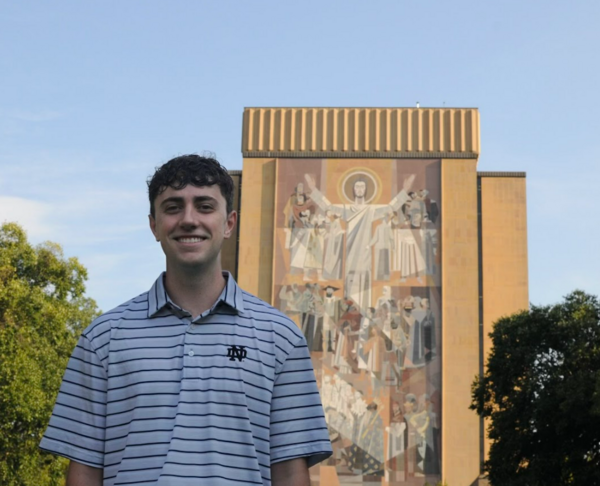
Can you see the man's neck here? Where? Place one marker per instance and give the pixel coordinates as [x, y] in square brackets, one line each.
[195, 290]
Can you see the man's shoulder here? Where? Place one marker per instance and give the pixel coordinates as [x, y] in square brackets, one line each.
[133, 309]
[262, 312]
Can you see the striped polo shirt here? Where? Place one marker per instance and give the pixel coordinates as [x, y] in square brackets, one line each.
[153, 396]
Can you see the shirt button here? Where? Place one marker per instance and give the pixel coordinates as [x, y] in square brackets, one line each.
[191, 353]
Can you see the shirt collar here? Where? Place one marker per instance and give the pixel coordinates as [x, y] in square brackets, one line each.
[231, 296]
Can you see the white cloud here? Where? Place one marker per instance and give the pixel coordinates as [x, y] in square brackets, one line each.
[30, 214]
[78, 219]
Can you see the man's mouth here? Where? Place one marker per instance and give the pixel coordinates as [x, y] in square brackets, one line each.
[190, 239]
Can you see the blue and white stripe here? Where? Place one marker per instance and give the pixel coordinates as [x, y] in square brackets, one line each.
[151, 396]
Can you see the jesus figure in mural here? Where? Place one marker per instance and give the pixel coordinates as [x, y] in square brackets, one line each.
[359, 217]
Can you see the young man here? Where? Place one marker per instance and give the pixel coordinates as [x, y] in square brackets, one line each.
[195, 381]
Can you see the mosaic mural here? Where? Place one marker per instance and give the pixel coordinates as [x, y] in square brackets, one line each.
[357, 267]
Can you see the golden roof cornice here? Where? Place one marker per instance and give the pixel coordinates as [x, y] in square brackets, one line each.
[361, 132]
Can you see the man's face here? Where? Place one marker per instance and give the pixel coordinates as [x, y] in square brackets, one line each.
[191, 224]
[360, 188]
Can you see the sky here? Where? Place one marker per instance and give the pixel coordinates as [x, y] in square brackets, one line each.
[95, 95]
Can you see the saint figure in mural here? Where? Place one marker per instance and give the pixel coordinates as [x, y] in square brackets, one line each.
[375, 351]
[333, 308]
[415, 210]
[383, 242]
[366, 454]
[346, 358]
[428, 330]
[415, 354]
[298, 212]
[359, 217]
[430, 436]
[334, 246]
[429, 251]
[414, 461]
[289, 298]
[431, 207]
[423, 457]
[408, 257]
[397, 439]
[312, 310]
[385, 299]
[314, 248]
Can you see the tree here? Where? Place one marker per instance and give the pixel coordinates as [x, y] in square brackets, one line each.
[541, 392]
[42, 312]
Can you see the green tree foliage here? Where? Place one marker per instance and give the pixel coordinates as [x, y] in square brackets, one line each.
[541, 392]
[42, 312]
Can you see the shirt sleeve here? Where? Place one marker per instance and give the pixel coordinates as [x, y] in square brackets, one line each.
[298, 427]
[77, 425]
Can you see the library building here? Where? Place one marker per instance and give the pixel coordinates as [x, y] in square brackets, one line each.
[372, 229]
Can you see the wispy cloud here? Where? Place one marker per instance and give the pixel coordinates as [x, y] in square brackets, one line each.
[78, 219]
[31, 215]
[106, 232]
[52, 173]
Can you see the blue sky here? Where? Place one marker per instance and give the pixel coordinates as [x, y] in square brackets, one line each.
[94, 95]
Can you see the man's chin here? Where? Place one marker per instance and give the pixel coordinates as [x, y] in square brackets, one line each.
[193, 265]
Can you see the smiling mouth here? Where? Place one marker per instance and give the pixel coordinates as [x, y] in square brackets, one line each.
[190, 239]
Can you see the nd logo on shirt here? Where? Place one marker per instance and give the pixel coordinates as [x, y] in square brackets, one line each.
[238, 352]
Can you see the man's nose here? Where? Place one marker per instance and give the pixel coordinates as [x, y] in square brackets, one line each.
[188, 216]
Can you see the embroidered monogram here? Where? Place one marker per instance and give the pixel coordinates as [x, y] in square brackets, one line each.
[238, 352]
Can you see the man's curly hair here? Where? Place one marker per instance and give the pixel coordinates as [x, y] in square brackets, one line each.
[198, 170]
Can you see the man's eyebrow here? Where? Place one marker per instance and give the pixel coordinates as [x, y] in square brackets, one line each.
[172, 199]
[180, 200]
[204, 199]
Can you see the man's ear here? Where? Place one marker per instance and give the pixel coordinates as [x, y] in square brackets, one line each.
[230, 224]
[152, 222]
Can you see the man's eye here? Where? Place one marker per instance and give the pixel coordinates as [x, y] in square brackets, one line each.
[171, 209]
[206, 207]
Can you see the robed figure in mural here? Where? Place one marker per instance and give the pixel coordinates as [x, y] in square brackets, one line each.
[397, 440]
[359, 217]
[334, 246]
[299, 212]
[383, 242]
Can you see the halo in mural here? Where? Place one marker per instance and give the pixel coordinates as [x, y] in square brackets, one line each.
[351, 177]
